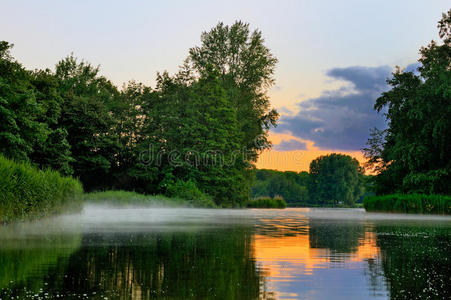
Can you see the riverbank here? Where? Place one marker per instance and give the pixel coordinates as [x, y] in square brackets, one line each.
[411, 203]
[29, 193]
[303, 205]
[267, 202]
[127, 198]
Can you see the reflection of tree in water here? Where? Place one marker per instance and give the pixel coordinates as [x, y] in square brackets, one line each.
[25, 262]
[416, 261]
[170, 265]
[282, 226]
[341, 237]
[375, 276]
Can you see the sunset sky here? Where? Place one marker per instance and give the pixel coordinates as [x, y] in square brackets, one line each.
[334, 56]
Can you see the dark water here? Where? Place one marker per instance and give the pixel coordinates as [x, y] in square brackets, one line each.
[137, 253]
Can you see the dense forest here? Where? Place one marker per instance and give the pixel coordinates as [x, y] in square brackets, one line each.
[198, 131]
[413, 155]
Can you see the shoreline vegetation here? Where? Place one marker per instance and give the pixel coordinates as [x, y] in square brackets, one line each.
[409, 203]
[127, 198]
[267, 202]
[29, 193]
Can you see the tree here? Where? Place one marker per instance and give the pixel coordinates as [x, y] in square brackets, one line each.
[132, 111]
[20, 128]
[413, 155]
[246, 67]
[213, 108]
[335, 179]
[291, 186]
[54, 152]
[88, 118]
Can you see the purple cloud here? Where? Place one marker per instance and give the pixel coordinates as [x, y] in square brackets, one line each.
[341, 119]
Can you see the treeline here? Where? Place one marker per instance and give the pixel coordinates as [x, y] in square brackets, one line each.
[413, 155]
[198, 131]
[333, 180]
[291, 186]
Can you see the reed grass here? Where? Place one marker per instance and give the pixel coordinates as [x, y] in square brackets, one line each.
[409, 203]
[27, 192]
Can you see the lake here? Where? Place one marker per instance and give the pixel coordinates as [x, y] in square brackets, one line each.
[298, 253]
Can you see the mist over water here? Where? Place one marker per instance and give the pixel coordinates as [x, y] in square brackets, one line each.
[140, 253]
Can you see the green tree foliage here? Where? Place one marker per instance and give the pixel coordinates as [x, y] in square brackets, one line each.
[291, 186]
[335, 179]
[20, 127]
[413, 154]
[30, 108]
[205, 125]
[88, 117]
[54, 152]
[246, 67]
[208, 122]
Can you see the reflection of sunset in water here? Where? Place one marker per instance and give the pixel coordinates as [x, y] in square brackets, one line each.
[292, 256]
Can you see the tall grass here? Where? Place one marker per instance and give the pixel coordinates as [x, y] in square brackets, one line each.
[27, 193]
[410, 203]
[267, 202]
[126, 198]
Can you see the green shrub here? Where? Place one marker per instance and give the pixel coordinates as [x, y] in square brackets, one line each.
[189, 191]
[267, 202]
[26, 192]
[409, 203]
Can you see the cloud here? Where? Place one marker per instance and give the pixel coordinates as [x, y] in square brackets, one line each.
[290, 145]
[413, 68]
[340, 119]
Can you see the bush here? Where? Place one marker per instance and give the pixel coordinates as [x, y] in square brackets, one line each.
[267, 202]
[409, 203]
[26, 192]
[189, 191]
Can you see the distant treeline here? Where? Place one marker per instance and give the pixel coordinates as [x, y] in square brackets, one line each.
[333, 180]
[199, 130]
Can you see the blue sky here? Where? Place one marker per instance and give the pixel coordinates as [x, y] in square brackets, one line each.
[313, 40]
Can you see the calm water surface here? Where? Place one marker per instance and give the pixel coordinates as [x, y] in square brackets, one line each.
[141, 253]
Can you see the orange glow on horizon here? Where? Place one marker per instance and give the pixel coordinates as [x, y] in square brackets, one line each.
[296, 160]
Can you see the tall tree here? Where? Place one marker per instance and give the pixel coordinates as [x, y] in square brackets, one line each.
[414, 153]
[88, 118]
[335, 179]
[54, 152]
[246, 67]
